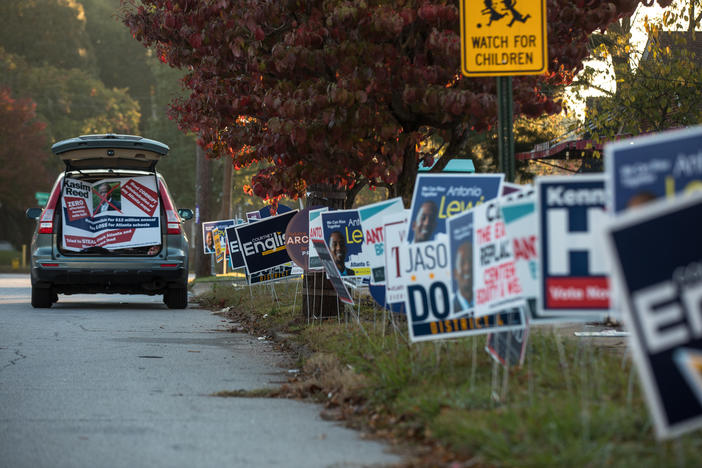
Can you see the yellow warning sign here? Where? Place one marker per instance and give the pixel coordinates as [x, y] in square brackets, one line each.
[503, 37]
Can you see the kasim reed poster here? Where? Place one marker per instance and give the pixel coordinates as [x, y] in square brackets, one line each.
[111, 213]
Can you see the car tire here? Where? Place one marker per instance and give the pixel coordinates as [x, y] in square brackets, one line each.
[42, 297]
[176, 298]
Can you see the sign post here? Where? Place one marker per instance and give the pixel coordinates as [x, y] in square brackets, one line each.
[504, 39]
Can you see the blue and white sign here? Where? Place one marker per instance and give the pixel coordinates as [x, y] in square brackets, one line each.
[263, 242]
[644, 168]
[437, 197]
[658, 269]
[236, 259]
[373, 240]
[574, 272]
[343, 236]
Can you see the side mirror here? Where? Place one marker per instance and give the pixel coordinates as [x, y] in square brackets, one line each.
[185, 213]
[33, 213]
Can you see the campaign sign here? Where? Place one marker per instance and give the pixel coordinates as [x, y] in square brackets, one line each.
[644, 168]
[573, 274]
[252, 216]
[373, 241]
[395, 236]
[343, 235]
[508, 347]
[461, 230]
[519, 216]
[657, 256]
[263, 242]
[315, 232]
[279, 273]
[266, 211]
[437, 197]
[496, 279]
[236, 259]
[297, 239]
[333, 274]
[111, 213]
[208, 234]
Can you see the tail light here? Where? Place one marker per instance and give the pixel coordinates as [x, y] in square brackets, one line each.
[46, 221]
[172, 218]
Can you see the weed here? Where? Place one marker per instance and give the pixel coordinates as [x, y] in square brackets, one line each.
[572, 403]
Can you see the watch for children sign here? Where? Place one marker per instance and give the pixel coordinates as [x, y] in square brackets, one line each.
[503, 37]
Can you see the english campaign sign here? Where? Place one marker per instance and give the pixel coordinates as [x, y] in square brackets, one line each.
[574, 272]
[263, 242]
[112, 213]
[648, 167]
[658, 270]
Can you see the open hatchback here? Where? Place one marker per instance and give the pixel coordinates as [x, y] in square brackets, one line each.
[110, 224]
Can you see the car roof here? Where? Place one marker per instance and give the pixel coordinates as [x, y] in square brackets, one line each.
[110, 151]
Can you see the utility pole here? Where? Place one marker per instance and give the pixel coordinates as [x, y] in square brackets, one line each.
[202, 203]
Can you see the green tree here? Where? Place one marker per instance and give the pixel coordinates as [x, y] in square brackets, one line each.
[47, 32]
[657, 88]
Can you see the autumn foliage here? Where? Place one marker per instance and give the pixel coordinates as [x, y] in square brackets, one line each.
[343, 92]
[23, 152]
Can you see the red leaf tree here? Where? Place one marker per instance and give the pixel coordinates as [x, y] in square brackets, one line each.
[23, 152]
[343, 92]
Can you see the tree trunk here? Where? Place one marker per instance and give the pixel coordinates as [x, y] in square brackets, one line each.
[319, 298]
[404, 187]
[202, 203]
[226, 211]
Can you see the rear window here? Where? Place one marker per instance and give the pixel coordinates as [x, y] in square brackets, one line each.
[110, 213]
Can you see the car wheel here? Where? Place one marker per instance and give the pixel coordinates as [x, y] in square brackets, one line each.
[41, 297]
[176, 298]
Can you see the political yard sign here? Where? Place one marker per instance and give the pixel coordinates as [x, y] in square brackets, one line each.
[236, 259]
[315, 232]
[437, 197]
[395, 235]
[431, 296]
[573, 276]
[263, 242]
[111, 213]
[212, 230]
[658, 268]
[644, 168]
[343, 236]
[332, 271]
[495, 273]
[372, 217]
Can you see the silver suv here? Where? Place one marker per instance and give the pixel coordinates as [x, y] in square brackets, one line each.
[110, 225]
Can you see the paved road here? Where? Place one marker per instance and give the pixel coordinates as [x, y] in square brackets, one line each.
[122, 381]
